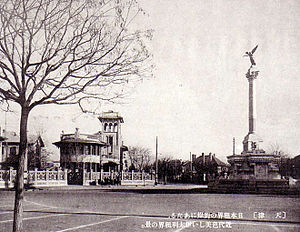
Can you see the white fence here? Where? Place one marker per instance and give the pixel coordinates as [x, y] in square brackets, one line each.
[34, 178]
[137, 178]
[49, 178]
[98, 177]
[123, 178]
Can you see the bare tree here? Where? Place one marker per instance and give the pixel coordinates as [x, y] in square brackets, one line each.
[285, 164]
[276, 149]
[140, 157]
[164, 167]
[65, 52]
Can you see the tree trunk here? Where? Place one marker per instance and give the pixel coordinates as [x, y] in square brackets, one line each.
[19, 194]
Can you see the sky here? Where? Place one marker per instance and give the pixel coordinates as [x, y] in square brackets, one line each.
[198, 99]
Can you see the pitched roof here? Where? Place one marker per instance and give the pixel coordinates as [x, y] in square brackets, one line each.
[213, 159]
[219, 162]
[13, 137]
[78, 140]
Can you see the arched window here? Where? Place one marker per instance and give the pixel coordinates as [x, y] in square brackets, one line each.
[105, 126]
[110, 127]
[116, 127]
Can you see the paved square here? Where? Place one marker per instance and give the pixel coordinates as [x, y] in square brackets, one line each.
[96, 210]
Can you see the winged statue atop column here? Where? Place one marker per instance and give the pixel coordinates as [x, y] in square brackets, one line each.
[250, 55]
[252, 71]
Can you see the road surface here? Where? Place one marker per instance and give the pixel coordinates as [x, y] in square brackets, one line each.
[96, 210]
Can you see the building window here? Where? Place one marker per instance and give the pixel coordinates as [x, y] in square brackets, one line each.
[105, 126]
[81, 151]
[111, 140]
[13, 151]
[87, 150]
[94, 150]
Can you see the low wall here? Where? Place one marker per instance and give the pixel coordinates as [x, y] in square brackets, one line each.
[249, 186]
[7, 178]
[35, 178]
[95, 177]
[124, 178]
[138, 182]
[137, 178]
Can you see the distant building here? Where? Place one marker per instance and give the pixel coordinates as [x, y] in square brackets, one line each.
[209, 167]
[10, 149]
[1, 149]
[81, 151]
[295, 169]
[111, 132]
[124, 159]
[103, 150]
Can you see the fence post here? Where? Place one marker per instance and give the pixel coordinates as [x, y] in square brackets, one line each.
[91, 172]
[65, 176]
[35, 176]
[83, 177]
[132, 172]
[101, 175]
[122, 175]
[143, 177]
[47, 175]
[96, 175]
[10, 176]
[112, 174]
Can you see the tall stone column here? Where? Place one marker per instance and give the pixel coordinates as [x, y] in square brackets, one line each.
[252, 100]
[251, 140]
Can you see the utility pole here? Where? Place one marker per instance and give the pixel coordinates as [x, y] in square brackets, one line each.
[233, 144]
[156, 161]
[191, 166]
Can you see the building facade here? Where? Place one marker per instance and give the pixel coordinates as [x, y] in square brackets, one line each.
[9, 151]
[9, 148]
[209, 167]
[81, 151]
[102, 151]
[99, 158]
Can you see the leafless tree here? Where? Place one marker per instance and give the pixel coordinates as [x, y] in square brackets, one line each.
[66, 52]
[140, 157]
[284, 164]
[276, 149]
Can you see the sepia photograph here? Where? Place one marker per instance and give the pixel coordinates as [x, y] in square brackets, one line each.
[149, 115]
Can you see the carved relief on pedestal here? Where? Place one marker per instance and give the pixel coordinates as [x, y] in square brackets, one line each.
[261, 171]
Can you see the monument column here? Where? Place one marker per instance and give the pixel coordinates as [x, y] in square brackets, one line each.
[251, 76]
[251, 140]
[253, 163]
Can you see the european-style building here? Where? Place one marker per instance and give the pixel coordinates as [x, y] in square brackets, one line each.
[9, 150]
[102, 150]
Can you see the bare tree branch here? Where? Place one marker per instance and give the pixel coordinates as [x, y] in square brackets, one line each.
[67, 52]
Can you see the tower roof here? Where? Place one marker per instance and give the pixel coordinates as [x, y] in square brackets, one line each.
[110, 115]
